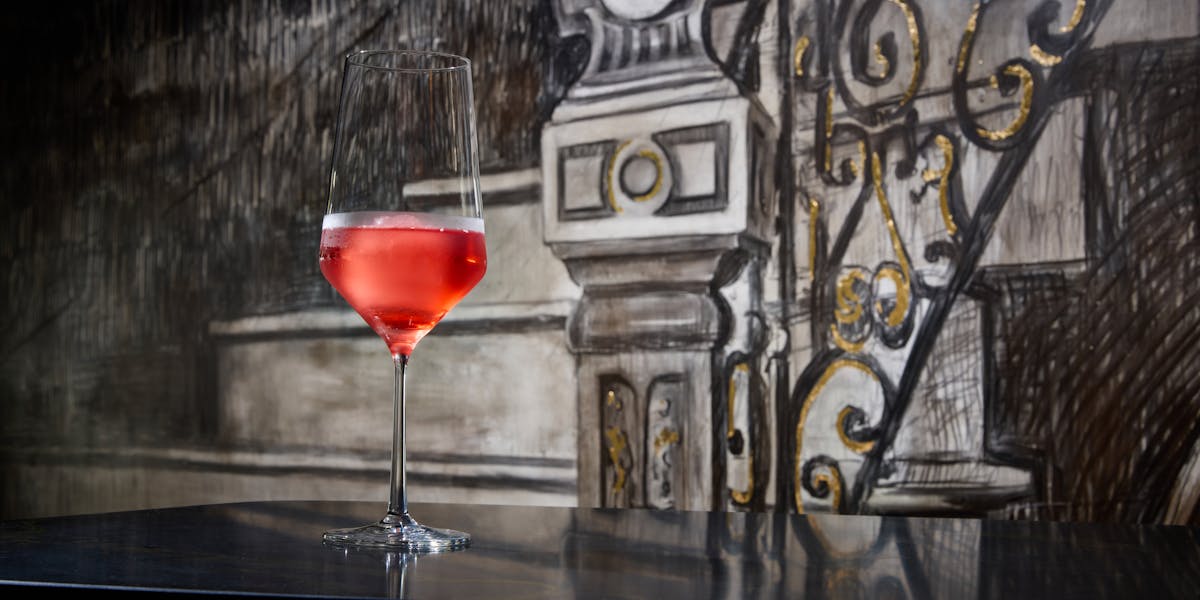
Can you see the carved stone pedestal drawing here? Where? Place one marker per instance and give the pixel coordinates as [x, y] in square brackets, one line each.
[656, 196]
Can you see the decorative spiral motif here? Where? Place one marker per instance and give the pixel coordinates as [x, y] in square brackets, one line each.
[942, 178]
[893, 304]
[850, 423]
[852, 322]
[871, 307]
[1049, 47]
[1016, 76]
[822, 478]
[884, 53]
[1025, 76]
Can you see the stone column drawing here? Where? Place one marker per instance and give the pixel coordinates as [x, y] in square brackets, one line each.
[657, 197]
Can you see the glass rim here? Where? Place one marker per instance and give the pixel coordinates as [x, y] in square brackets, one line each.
[361, 58]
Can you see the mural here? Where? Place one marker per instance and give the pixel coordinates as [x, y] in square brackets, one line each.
[943, 372]
[806, 255]
[924, 355]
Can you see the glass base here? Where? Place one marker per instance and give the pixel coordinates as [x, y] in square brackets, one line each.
[400, 532]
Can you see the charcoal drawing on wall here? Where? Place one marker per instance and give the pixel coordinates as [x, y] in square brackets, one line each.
[805, 255]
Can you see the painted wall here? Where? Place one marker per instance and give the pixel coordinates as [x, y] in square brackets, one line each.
[894, 256]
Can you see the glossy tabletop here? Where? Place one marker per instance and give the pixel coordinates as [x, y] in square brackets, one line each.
[275, 548]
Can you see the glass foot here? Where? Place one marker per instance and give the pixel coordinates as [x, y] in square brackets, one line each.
[400, 532]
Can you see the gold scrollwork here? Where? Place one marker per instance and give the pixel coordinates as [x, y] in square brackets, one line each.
[886, 207]
[834, 482]
[798, 55]
[849, 309]
[904, 277]
[849, 304]
[862, 146]
[881, 59]
[914, 35]
[896, 316]
[1048, 59]
[1023, 110]
[942, 176]
[1042, 57]
[834, 367]
[968, 35]
[740, 496]
[1014, 69]
[616, 445]
[856, 446]
[1076, 17]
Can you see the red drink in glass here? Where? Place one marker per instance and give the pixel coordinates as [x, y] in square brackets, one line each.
[402, 271]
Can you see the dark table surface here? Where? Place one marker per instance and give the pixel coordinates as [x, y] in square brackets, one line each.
[275, 548]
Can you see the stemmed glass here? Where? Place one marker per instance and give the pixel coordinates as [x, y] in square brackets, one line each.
[402, 261]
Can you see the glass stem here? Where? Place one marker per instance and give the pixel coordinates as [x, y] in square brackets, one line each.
[398, 501]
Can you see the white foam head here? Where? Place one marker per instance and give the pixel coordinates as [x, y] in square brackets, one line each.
[401, 220]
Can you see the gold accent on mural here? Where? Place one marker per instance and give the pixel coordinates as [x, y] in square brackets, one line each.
[1023, 111]
[849, 309]
[862, 156]
[881, 59]
[896, 317]
[611, 399]
[1048, 59]
[835, 486]
[968, 36]
[856, 446]
[902, 279]
[814, 210]
[612, 166]
[808, 401]
[616, 444]
[1076, 17]
[743, 368]
[666, 436]
[942, 176]
[914, 34]
[849, 304]
[741, 497]
[897, 243]
[658, 175]
[798, 55]
[1042, 57]
[845, 344]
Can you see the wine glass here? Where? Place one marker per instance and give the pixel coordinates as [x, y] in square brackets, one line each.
[403, 260]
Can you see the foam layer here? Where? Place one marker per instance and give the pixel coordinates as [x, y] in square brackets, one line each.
[401, 220]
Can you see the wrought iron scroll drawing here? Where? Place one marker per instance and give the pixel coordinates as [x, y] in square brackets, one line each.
[883, 320]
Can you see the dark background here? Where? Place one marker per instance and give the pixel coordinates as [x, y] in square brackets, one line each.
[164, 165]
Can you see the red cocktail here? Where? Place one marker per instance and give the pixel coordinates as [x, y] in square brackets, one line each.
[405, 120]
[402, 271]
